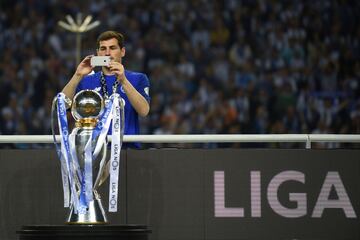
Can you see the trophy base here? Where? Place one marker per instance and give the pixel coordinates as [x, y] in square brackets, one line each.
[94, 215]
[84, 232]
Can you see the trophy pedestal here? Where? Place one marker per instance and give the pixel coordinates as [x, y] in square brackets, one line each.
[84, 232]
[94, 215]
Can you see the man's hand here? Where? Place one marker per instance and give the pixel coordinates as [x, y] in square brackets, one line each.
[139, 103]
[84, 66]
[118, 69]
[83, 69]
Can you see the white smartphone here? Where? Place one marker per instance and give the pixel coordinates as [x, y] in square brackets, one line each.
[100, 61]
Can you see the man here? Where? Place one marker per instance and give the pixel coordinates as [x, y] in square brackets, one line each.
[133, 87]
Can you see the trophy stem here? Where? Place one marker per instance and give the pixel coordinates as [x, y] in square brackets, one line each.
[94, 215]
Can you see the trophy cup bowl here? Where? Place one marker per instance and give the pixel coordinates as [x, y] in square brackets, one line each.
[87, 107]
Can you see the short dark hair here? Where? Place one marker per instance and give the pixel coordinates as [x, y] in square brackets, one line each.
[108, 35]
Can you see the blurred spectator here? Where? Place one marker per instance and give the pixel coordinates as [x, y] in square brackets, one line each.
[214, 66]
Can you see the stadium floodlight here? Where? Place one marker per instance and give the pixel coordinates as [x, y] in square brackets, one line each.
[78, 27]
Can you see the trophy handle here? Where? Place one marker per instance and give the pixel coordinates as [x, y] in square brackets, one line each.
[53, 123]
[104, 175]
[104, 168]
[53, 117]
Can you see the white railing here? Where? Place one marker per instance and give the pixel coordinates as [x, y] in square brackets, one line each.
[203, 138]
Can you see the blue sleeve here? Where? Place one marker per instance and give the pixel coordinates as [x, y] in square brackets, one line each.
[79, 87]
[85, 83]
[144, 87]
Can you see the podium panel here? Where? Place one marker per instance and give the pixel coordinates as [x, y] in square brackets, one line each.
[199, 194]
[84, 232]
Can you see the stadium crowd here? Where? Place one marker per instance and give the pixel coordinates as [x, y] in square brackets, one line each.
[229, 67]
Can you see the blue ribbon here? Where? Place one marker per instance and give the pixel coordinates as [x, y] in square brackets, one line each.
[65, 147]
[99, 133]
[115, 156]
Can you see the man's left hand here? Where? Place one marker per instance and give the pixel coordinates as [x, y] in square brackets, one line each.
[119, 70]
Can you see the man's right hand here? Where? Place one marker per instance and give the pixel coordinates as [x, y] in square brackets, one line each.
[84, 66]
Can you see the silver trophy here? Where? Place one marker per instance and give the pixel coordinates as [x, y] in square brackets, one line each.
[86, 108]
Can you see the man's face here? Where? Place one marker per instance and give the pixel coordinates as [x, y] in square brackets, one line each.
[111, 48]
